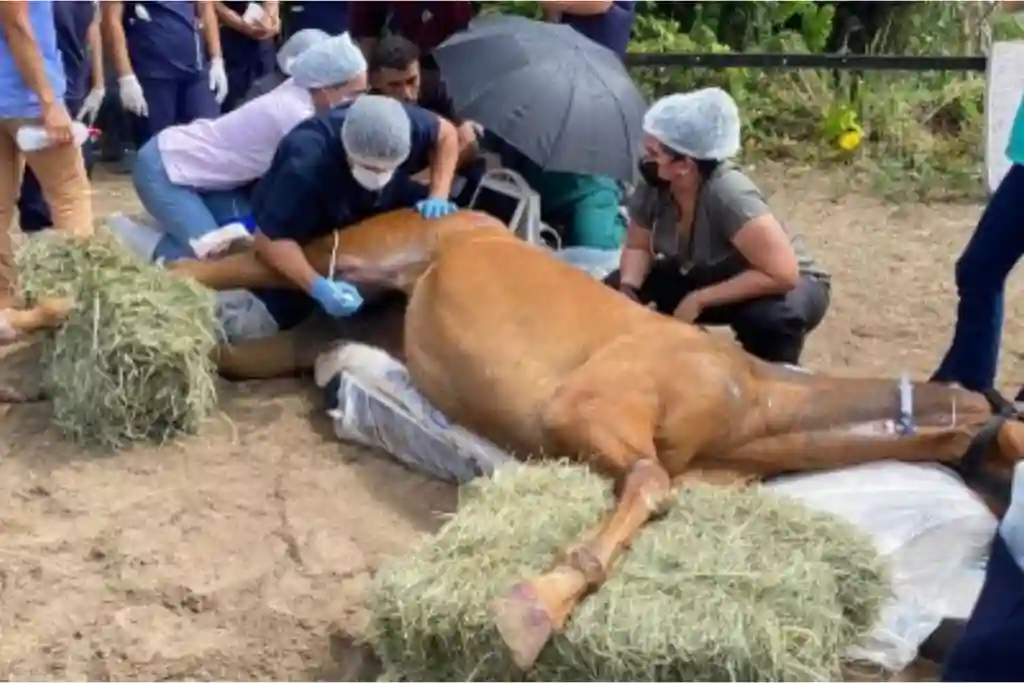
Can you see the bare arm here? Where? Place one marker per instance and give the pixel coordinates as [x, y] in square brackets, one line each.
[96, 52]
[1011, 5]
[211, 27]
[17, 30]
[287, 258]
[635, 262]
[230, 18]
[273, 18]
[774, 268]
[445, 160]
[112, 12]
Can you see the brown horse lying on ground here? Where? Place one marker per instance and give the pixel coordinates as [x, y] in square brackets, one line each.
[539, 357]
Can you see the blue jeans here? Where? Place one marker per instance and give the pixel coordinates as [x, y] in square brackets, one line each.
[183, 213]
[990, 648]
[981, 271]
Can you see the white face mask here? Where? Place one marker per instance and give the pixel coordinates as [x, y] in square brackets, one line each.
[371, 180]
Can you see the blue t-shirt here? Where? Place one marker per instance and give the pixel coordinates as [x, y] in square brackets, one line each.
[309, 189]
[16, 99]
[611, 29]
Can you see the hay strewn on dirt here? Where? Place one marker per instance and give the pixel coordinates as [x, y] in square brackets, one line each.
[132, 362]
[734, 584]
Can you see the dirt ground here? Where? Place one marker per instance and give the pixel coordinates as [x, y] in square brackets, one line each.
[245, 552]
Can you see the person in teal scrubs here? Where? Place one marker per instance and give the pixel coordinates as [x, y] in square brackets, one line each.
[583, 209]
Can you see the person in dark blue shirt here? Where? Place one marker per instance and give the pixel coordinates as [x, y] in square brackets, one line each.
[247, 46]
[329, 16]
[603, 21]
[164, 78]
[337, 169]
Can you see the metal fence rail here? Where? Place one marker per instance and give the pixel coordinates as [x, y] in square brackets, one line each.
[807, 61]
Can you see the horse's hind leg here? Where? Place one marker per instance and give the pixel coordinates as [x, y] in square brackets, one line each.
[612, 429]
[283, 354]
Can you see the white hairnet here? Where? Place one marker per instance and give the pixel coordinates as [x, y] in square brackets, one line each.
[703, 124]
[296, 45]
[329, 62]
[376, 130]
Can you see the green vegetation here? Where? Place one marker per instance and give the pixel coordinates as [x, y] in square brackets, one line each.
[920, 133]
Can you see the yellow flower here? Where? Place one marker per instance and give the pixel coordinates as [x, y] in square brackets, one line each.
[850, 140]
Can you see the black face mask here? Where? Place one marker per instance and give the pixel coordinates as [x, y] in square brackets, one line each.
[649, 172]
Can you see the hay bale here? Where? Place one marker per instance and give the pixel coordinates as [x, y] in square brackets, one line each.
[132, 362]
[734, 584]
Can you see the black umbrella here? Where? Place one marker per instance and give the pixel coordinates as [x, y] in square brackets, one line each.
[558, 97]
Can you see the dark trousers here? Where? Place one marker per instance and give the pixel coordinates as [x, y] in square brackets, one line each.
[991, 647]
[174, 101]
[33, 211]
[981, 271]
[772, 328]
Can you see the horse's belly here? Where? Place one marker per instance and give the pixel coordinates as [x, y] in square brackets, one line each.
[492, 332]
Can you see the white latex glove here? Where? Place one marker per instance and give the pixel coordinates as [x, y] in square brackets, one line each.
[91, 105]
[132, 98]
[218, 79]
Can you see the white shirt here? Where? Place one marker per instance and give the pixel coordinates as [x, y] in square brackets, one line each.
[236, 148]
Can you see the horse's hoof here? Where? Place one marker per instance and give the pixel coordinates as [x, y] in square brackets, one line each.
[523, 623]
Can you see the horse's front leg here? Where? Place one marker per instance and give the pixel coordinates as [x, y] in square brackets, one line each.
[611, 429]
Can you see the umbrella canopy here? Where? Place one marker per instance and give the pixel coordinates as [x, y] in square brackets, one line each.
[561, 99]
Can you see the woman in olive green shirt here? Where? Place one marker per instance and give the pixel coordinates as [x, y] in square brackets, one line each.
[702, 243]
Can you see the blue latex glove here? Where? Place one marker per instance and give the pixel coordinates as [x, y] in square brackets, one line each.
[435, 207]
[339, 299]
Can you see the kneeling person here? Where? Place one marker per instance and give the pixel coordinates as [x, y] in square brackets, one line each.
[724, 259]
[394, 71]
[337, 169]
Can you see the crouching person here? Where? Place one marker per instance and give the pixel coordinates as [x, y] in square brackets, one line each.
[337, 169]
[702, 243]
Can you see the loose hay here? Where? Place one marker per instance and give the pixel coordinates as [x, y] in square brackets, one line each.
[132, 362]
[734, 584]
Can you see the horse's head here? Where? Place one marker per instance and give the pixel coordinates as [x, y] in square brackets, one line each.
[998, 445]
[393, 249]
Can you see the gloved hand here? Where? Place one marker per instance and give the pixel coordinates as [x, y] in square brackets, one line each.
[91, 105]
[339, 299]
[218, 79]
[435, 207]
[132, 98]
